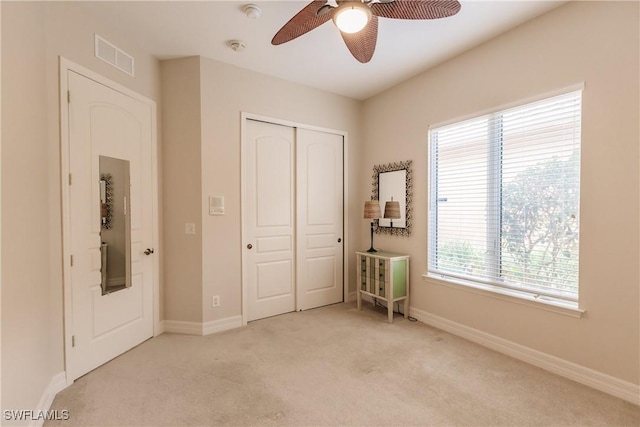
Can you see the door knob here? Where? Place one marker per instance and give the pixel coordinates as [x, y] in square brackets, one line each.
[339, 240]
[148, 251]
[249, 246]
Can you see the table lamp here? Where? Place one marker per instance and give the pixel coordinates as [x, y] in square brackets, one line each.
[372, 212]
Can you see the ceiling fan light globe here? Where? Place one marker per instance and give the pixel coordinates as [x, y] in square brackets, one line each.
[351, 19]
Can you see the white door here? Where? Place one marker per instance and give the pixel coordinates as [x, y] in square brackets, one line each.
[269, 216]
[292, 208]
[319, 218]
[104, 122]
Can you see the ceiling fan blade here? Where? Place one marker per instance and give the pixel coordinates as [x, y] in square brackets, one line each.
[363, 43]
[303, 22]
[416, 9]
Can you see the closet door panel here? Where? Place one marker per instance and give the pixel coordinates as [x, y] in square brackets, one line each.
[269, 212]
[319, 196]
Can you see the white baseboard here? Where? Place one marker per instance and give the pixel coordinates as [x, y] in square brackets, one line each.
[56, 385]
[581, 374]
[197, 328]
[180, 327]
[221, 325]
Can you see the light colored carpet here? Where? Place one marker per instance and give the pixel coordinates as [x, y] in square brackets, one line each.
[330, 366]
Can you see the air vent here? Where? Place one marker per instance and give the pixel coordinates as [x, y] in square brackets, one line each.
[114, 56]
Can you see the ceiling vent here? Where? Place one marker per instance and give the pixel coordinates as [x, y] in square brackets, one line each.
[114, 56]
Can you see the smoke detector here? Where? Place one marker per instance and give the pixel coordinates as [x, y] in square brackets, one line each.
[236, 45]
[252, 11]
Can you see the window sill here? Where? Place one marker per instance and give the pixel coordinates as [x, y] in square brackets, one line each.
[566, 309]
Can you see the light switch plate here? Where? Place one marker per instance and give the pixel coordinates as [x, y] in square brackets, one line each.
[189, 228]
[216, 205]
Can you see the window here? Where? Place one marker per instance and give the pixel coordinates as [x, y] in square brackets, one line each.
[504, 199]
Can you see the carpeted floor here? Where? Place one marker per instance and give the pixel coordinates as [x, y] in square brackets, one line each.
[330, 366]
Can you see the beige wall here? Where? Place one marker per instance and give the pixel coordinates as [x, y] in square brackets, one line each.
[592, 42]
[33, 36]
[26, 297]
[214, 267]
[181, 128]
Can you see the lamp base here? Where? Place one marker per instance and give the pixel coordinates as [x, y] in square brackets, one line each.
[371, 248]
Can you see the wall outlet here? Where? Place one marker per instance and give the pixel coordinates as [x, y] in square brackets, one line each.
[215, 301]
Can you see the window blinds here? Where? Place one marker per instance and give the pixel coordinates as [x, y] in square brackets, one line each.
[504, 198]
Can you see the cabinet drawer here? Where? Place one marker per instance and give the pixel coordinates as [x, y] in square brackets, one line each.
[383, 271]
[381, 286]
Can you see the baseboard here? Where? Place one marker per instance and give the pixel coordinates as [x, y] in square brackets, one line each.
[197, 328]
[56, 385]
[180, 327]
[581, 374]
[221, 325]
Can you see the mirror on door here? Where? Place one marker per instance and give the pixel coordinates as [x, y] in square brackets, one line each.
[115, 224]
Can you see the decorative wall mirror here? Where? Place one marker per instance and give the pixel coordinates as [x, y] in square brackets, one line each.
[393, 183]
[115, 224]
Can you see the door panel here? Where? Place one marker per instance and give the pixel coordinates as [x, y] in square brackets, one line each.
[268, 215]
[104, 122]
[323, 271]
[319, 218]
[274, 179]
[274, 280]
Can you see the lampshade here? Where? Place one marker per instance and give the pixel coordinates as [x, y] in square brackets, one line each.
[372, 209]
[351, 17]
[392, 210]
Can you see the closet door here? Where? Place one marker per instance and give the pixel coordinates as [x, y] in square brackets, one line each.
[319, 218]
[269, 219]
[292, 219]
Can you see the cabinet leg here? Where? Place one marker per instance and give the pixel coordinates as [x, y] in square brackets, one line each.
[359, 299]
[406, 308]
[390, 310]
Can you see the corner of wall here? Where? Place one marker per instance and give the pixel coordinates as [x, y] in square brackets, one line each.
[182, 189]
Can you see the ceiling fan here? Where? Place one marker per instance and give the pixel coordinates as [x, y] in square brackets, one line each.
[357, 20]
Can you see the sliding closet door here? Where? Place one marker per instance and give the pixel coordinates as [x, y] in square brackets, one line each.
[292, 219]
[269, 219]
[319, 218]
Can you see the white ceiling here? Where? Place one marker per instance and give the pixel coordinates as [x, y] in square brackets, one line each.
[319, 58]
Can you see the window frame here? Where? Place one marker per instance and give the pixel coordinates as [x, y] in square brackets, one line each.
[503, 288]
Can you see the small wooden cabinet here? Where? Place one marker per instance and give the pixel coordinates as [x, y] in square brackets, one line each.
[383, 276]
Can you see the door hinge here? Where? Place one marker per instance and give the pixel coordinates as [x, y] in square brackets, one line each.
[71, 260]
[70, 179]
[73, 340]
[68, 97]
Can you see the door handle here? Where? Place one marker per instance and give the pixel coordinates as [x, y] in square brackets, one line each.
[339, 240]
[249, 246]
[148, 251]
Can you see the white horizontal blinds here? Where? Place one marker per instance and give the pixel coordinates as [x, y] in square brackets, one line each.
[541, 195]
[461, 198]
[505, 198]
